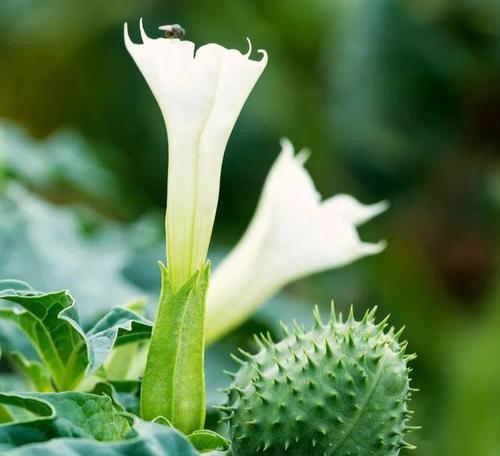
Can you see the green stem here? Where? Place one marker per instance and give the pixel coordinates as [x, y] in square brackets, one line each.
[173, 385]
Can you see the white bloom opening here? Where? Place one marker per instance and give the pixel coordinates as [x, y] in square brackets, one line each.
[292, 234]
[200, 94]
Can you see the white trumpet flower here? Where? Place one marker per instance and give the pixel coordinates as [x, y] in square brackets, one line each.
[292, 234]
[200, 94]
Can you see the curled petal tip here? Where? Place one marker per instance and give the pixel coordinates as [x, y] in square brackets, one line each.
[287, 147]
[249, 52]
[374, 248]
[144, 36]
[126, 36]
[303, 155]
[263, 60]
[378, 208]
[355, 211]
[383, 205]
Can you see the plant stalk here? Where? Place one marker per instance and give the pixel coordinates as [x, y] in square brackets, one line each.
[173, 386]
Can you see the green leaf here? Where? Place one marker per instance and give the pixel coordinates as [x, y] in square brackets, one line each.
[103, 388]
[51, 248]
[150, 440]
[125, 394]
[119, 326]
[174, 385]
[127, 362]
[128, 393]
[68, 414]
[163, 421]
[34, 372]
[206, 440]
[44, 427]
[50, 321]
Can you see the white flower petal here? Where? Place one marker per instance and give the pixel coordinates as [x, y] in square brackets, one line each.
[200, 94]
[292, 234]
[353, 210]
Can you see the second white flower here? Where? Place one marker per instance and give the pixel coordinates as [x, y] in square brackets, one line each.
[292, 234]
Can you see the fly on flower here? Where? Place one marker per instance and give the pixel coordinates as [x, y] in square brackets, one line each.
[173, 31]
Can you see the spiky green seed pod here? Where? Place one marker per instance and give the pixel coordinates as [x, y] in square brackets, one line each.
[340, 389]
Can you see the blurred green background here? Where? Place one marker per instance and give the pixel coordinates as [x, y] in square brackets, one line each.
[397, 100]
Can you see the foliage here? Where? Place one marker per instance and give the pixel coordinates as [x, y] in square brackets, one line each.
[357, 358]
[151, 440]
[52, 244]
[145, 438]
[51, 323]
[401, 103]
[68, 414]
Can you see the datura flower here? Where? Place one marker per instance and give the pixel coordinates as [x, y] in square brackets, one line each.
[200, 94]
[292, 234]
